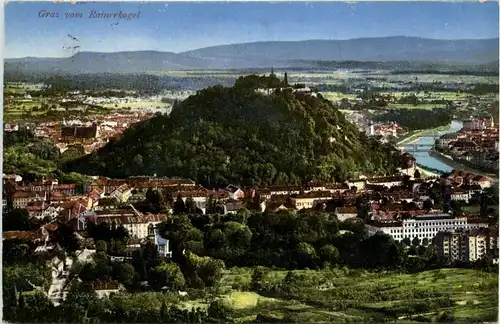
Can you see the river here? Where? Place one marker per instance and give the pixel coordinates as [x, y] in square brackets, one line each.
[424, 158]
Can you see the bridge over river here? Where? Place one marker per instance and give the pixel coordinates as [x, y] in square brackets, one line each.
[420, 148]
[423, 144]
[414, 147]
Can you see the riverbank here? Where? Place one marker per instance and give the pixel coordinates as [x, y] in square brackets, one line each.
[415, 135]
[449, 161]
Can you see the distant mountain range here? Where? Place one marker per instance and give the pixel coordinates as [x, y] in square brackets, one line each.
[413, 51]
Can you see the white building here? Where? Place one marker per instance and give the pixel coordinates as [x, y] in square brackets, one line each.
[423, 226]
[161, 243]
[137, 226]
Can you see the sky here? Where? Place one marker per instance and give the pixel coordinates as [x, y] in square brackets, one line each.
[182, 26]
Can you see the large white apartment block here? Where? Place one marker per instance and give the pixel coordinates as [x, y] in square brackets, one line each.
[423, 226]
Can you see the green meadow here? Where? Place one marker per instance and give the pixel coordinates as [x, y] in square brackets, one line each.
[345, 296]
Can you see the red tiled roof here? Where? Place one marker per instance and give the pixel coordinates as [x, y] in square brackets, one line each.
[24, 194]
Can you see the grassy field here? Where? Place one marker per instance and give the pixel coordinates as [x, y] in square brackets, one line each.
[342, 295]
[337, 96]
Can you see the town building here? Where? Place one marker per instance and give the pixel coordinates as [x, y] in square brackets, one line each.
[21, 199]
[310, 200]
[122, 193]
[345, 213]
[422, 226]
[478, 123]
[446, 139]
[137, 226]
[235, 192]
[467, 245]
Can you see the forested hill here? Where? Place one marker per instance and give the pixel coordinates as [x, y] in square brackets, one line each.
[237, 135]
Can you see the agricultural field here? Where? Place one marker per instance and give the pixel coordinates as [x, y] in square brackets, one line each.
[342, 295]
[432, 95]
[21, 87]
[134, 105]
[198, 73]
[410, 106]
[456, 79]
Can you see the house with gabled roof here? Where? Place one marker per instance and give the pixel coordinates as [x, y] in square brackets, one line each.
[235, 192]
[482, 181]
[122, 193]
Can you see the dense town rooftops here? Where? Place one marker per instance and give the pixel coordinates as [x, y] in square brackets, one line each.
[79, 131]
[463, 144]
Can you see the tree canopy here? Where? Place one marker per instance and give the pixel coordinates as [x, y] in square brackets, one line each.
[237, 135]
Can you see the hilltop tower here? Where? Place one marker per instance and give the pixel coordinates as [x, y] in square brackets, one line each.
[286, 79]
